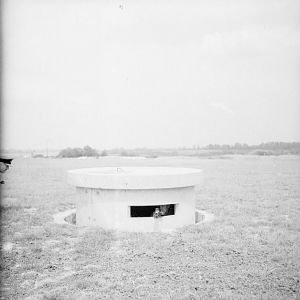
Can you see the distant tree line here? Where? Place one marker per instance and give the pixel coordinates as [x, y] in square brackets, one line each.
[270, 148]
[79, 152]
[263, 148]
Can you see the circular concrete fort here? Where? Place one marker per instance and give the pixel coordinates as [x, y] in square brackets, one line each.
[135, 198]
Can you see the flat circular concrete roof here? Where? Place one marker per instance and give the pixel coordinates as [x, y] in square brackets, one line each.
[134, 178]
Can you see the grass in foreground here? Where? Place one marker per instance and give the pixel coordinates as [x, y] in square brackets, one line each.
[250, 251]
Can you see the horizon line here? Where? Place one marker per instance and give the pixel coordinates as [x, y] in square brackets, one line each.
[195, 146]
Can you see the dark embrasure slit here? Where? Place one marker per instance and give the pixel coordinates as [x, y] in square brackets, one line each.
[148, 211]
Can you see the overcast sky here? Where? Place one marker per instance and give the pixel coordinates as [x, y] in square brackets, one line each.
[150, 73]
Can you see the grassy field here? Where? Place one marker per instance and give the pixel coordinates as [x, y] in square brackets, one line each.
[249, 251]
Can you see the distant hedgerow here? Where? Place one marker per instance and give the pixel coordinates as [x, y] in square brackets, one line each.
[78, 152]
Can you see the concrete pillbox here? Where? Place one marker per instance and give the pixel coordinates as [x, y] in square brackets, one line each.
[135, 198]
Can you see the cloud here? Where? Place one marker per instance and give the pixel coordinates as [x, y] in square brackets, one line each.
[222, 107]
